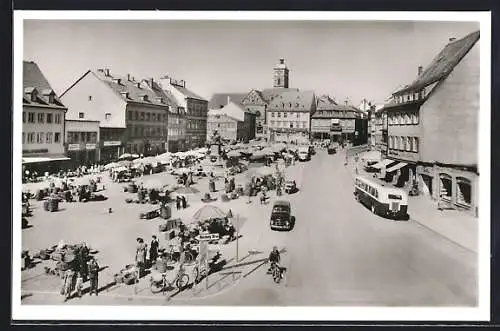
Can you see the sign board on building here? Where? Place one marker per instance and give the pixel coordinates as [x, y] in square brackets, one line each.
[33, 151]
[90, 146]
[73, 147]
[112, 143]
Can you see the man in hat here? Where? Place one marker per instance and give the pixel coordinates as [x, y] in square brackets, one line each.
[94, 276]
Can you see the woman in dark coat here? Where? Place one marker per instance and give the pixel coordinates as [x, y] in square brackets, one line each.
[83, 257]
[153, 250]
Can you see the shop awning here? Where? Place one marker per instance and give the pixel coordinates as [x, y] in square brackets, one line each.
[34, 159]
[382, 163]
[397, 166]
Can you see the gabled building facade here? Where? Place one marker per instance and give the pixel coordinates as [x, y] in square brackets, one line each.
[196, 109]
[336, 122]
[289, 116]
[43, 122]
[132, 118]
[232, 123]
[433, 127]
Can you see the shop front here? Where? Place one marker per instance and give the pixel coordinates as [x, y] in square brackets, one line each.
[451, 187]
[111, 150]
[38, 161]
[83, 154]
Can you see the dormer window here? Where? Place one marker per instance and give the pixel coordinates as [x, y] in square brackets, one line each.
[33, 96]
[125, 95]
[159, 100]
[139, 85]
[52, 98]
[118, 81]
[145, 97]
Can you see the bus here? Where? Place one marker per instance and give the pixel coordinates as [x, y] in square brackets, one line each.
[382, 200]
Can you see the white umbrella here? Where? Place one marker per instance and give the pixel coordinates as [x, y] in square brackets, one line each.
[111, 165]
[125, 156]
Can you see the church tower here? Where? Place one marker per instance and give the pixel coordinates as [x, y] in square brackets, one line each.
[280, 77]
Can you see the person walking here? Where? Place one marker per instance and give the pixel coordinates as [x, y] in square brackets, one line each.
[140, 256]
[178, 202]
[184, 202]
[153, 250]
[67, 284]
[94, 276]
[83, 257]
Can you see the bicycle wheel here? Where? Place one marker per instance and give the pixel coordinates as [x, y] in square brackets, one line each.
[182, 281]
[156, 287]
[276, 275]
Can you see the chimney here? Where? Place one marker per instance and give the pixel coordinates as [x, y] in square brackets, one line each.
[151, 81]
[346, 102]
[452, 39]
[128, 77]
[282, 61]
[420, 70]
[106, 71]
[228, 100]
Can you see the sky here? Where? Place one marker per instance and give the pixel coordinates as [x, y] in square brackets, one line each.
[345, 59]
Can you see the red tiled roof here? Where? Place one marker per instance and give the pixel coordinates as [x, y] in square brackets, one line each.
[34, 80]
[220, 99]
[444, 63]
[129, 89]
[187, 93]
[293, 101]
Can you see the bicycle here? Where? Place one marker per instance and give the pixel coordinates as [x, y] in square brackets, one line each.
[181, 280]
[174, 256]
[276, 272]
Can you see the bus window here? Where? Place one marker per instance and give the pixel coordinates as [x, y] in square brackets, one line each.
[395, 197]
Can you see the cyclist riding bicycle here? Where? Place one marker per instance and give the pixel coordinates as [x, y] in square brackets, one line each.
[274, 258]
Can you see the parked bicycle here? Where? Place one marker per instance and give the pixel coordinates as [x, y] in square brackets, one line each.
[158, 284]
[174, 255]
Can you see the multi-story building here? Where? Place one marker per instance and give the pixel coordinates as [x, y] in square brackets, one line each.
[43, 122]
[177, 123]
[379, 135]
[335, 122]
[82, 142]
[131, 116]
[232, 123]
[433, 127]
[288, 115]
[258, 101]
[196, 109]
[252, 101]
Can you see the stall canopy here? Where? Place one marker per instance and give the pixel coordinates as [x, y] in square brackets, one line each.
[383, 163]
[208, 212]
[27, 160]
[397, 166]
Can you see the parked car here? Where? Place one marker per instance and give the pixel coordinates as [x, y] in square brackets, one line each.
[332, 149]
[304, 153]
[281, 218]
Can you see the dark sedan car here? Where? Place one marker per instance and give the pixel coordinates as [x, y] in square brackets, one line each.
[281, 218]
[332, 149]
